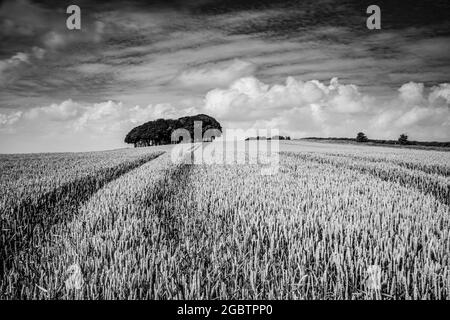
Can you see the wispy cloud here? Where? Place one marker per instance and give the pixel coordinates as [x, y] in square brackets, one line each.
[216, 75]
[179, 53]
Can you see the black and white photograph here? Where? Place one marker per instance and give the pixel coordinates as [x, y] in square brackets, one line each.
[224, 150]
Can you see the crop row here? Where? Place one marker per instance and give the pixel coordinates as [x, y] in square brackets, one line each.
[321, 227]
[434, 184]
[313, 230]
[27, 220]
[421, 164]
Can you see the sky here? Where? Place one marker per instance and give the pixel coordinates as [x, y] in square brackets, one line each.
[306, 68]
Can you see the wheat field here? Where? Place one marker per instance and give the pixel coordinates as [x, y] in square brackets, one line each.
[335, 222]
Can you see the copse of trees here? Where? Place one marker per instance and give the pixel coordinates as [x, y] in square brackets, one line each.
[159, 131]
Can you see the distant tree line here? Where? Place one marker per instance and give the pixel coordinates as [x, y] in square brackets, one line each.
[269, 138]
[402, 140]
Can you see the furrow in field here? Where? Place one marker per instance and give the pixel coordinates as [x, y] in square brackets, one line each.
[113, 236]
[316, 229]
[313, 230]
[434, 184]
[124, 232]
[418, 164]
[27, 225]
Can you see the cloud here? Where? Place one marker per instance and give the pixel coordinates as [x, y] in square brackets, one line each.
[99, 117]
[234, 65]
[412, 92]
[143, 53]
[9, 119]
[77, 126]
[65, 111]
[440, 95]
[22, 18]
[215, 75]
[259, 100]
[15, 61]
[314, 108]
[38, 53]
[11, 68]
[297, 108]
[62, 38]
[31, 30]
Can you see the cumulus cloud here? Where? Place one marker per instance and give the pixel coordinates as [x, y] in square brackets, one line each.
[258, 100]
[315, 108]
[72, 125]
[412, 92]
[9, 119]
[295, 107]
[215, 75]
[440, 95]
[97, 117]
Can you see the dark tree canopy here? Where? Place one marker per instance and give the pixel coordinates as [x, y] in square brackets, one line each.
[160, 131]
[403, 139]
[361, 137]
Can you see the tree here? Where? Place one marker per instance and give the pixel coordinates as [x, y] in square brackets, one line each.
[403, 139]
[361, 137]
[160, 131]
